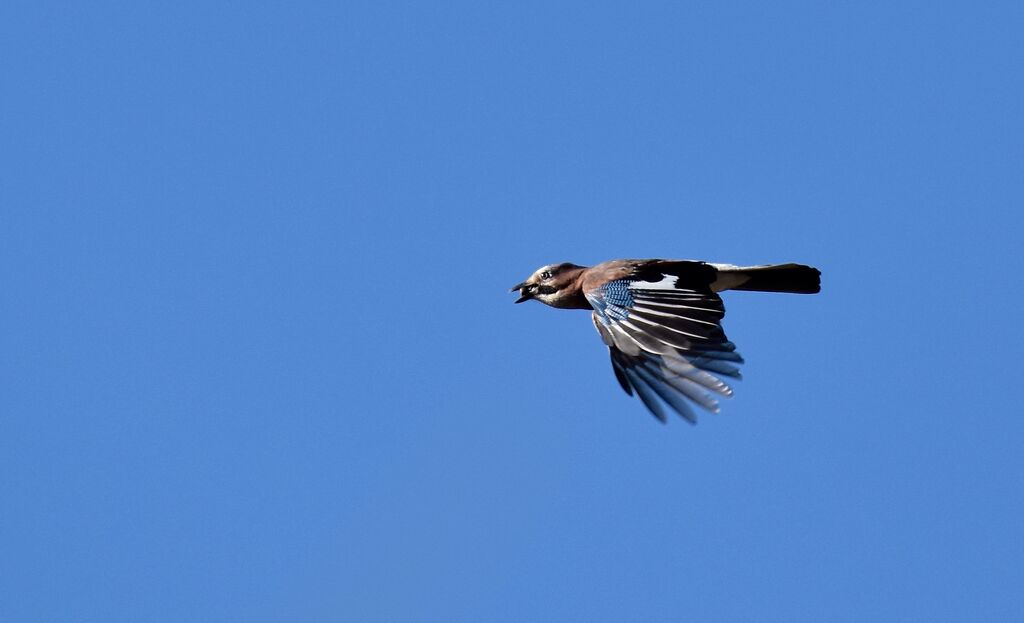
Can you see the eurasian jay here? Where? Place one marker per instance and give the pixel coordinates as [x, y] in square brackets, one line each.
[661, 320]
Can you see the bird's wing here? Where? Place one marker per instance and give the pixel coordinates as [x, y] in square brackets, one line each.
[664, 332]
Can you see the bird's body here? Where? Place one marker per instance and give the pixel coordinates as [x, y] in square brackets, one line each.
[661, 320]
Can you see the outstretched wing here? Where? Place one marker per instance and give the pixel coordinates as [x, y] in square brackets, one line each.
[666, 340]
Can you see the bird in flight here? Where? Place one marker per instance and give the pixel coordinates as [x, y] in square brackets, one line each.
[662, 321]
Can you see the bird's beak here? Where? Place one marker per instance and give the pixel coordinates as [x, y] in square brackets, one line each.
[524, 289]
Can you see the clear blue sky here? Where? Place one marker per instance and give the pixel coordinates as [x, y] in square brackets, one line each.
[260, 362]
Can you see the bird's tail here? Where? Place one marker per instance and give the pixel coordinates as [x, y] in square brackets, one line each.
[793, 278]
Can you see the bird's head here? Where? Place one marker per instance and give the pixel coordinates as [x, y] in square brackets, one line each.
[549, 284]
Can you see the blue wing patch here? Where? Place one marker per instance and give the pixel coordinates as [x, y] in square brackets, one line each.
[611, 301]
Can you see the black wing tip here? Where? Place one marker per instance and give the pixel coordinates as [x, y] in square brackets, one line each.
[650, 393]
[689, 418]
[620, 374]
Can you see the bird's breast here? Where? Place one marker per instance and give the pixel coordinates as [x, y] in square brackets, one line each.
[569, 299]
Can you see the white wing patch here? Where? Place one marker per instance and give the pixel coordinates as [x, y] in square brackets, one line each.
[668, 282]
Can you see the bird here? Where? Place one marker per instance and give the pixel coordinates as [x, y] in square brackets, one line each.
[662, 321]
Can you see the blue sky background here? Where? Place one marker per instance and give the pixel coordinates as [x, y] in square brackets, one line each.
[260, 362]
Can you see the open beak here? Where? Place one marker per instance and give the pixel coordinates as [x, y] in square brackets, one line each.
[524, 289]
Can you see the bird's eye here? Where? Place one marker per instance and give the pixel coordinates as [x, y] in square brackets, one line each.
[546, 274]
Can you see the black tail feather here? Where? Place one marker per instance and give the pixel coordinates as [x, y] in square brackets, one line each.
[793, 278]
